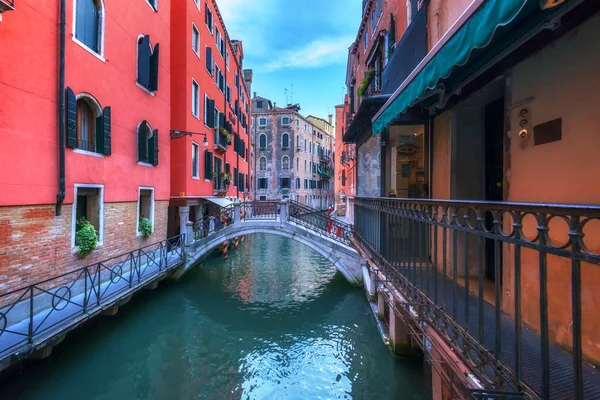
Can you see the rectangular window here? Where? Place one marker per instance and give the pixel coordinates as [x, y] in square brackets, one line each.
[209, 19]
[285, 121]
[195, 98]
[285, 183]
[88, 206]
[195, 161]
[259, 104]
[297, 163]
[262, 122]
[208, 165]
[262, 198]
[228, 94]
[297, 183]
[195, 39]
[262, 183]
[209, 61]
[306, 184]
[145, 207]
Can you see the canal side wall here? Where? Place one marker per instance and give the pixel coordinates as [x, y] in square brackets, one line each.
[36, 245]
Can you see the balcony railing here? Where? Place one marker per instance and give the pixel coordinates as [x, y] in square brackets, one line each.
[221, 142]
[500, 282]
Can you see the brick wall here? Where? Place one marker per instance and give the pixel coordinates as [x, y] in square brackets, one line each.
[36, 245]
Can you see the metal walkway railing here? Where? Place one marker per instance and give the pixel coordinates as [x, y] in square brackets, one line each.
[35, 313]
[479, 273]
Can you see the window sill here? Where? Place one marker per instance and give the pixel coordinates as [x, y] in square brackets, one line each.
[196, 116]
[75, 249]
[92, 52]
[88, 153]
[145, 164]
[144, 89]
[197, 53]
[139, 234]
[196, 178]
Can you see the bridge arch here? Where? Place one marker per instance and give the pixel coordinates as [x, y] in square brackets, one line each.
[345, 259]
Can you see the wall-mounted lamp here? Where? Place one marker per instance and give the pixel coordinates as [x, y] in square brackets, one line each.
[177, 134]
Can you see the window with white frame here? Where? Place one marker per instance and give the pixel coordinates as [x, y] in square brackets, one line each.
[285, 121]
[262, 122]
[209, 19]
[195, 161]
[145, 206]
[195, 98]
[262, 164]
[195, 39]
[88, 206]
[262, 141]
[89, 24]
[285, 163]
[285, 141]
[153, 4]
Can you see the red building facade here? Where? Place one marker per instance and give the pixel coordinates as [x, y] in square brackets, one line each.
[210, 113]
[113, 113]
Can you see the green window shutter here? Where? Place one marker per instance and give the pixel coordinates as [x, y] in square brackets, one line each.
[142, 142]
[99, 138]
[71, 119]
[210, 113]
[227, 168]
[209, 62]
[208, 161]
[153, 83]
[144, 62]
[106, 126]
[154, 153]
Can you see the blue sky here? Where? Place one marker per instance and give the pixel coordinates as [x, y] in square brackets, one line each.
[299, 42]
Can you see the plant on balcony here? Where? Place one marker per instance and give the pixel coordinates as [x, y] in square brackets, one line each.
[226, 135]
[87, 237]
[226, 178]
[364, 85]
[145, 226]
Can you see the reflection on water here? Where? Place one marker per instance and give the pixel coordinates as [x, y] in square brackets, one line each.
[273, 321]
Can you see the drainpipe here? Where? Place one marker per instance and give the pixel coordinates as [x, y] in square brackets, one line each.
[60, 198]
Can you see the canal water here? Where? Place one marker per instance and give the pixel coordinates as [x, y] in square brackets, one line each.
[274, 321]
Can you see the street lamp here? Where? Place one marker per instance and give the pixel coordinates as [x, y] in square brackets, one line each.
[177, 134]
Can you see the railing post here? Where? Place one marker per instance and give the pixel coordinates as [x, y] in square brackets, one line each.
[283, 212]
[189, 233]
[237, 221]
[30, 332]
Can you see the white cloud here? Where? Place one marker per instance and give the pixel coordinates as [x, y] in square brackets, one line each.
[319, 53]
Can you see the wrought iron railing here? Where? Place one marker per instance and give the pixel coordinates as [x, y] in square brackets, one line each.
[40, 310]
[320, 222]
[220, 218]
[260, 210]
[479, 273]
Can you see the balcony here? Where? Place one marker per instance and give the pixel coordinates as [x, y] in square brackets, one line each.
[221, 142]
[324, 159]
[220, 188]
[485, 277]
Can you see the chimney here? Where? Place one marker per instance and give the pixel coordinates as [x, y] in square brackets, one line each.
[330, 119]
[254, 95]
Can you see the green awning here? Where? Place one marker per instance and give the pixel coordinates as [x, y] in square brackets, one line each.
[477, 32]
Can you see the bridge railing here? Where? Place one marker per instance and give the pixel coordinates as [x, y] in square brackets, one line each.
[320, 222]
[221, 218]
[40, 309]
[260, 210]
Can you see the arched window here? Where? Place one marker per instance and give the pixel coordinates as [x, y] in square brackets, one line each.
[285, 141]
[89, 24]
[88, 115]
[147, 144]
[262, 141]
[285, 163]
[262, 164]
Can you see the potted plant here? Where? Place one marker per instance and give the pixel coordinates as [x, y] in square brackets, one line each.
[86, 235]
[226, 135]
[145, 226]
[364, 85]
[226, 178]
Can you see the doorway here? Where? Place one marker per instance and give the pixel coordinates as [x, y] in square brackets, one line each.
[494, 173]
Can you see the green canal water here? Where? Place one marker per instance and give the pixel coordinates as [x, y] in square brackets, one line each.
[274, 321]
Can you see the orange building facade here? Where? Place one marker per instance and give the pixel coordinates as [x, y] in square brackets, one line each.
[344, 165]
[96, 147]
[481, 152]
[210, 150]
